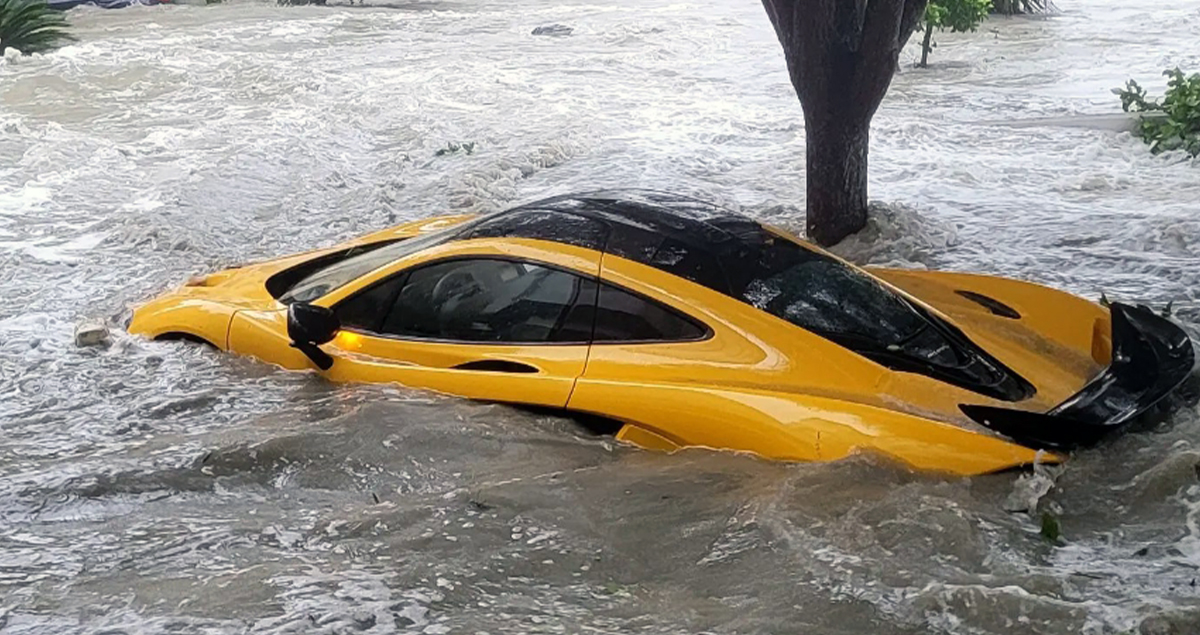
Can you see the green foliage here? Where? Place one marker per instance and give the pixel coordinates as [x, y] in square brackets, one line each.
[31, 26]
[1051, 530]
[1174, 122]
[959, 16]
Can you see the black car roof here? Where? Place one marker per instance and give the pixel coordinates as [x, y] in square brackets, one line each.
[698, 223]
[737, 256]
[679, 234]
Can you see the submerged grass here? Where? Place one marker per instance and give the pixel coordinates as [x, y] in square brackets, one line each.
[1051, 529]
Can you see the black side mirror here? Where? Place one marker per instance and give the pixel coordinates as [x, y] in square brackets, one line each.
[309, 326]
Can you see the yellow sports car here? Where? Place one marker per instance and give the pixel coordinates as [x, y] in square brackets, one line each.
[683, 324]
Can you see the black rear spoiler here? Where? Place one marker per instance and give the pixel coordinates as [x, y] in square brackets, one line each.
[1151, 356]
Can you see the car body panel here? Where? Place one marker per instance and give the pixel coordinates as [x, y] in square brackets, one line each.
[761, 385]
[432, 366]
[795, 427]
[755, 383]
[185, 313]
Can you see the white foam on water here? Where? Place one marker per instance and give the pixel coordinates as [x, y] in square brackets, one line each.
[175, 140]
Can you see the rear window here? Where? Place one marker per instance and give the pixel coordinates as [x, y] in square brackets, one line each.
[626, 317]
[822, 294]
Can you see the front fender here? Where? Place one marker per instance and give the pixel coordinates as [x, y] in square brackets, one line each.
[263, 335]
[180, 312]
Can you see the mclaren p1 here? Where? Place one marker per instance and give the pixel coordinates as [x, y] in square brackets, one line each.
[683, 324]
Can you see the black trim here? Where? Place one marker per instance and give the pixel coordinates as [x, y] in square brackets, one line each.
[436, 340]
[1151, 357]
[496, 366]
[595, 424]
[180, 336]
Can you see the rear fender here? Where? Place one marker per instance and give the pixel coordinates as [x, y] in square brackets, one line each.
[788, 426]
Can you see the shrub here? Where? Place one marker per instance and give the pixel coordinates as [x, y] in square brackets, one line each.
[31, 26]
[1174, 122]
[957, 15]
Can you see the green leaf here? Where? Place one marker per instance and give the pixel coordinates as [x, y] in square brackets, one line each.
[1179, 125]
[31, 26]
[956, 15]
[1051, 530]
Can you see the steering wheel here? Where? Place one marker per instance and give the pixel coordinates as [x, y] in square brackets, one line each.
[457, 282]
[454, 286]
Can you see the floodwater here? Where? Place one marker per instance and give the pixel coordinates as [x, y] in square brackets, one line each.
[163, 488]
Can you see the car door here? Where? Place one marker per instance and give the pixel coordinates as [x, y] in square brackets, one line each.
[680, 376]
[484, 326]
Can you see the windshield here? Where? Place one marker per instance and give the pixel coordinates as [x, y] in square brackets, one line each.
[343, 271]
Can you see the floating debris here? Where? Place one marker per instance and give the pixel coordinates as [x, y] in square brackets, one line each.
[91, 333]
[554, 30]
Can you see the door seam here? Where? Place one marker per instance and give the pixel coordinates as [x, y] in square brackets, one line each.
[587, 357]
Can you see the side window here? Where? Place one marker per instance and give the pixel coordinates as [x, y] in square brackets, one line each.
[484, 300]
[366, 310]
[577, 323]
[624, 317]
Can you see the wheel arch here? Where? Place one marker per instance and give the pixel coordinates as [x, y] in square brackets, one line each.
[184, 336]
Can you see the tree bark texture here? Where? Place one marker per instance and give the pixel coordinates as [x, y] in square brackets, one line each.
[841, 55]
[926, 46]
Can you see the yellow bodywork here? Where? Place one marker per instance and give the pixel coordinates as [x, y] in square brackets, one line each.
[758, 384]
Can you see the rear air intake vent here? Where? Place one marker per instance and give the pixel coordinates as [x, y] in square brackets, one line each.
[991, 304]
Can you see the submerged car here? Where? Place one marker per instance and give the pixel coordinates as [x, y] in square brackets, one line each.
[683, 324]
